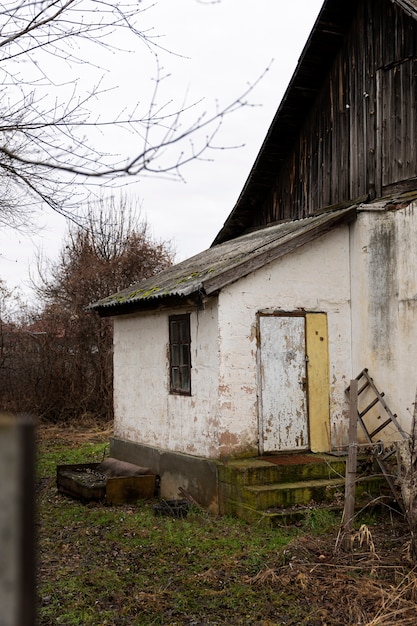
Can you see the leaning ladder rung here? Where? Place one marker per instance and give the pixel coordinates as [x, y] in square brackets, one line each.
[362, 373]
[379, 397]
[363, 388]
[393, 416]
[369, 407]
[378, 430]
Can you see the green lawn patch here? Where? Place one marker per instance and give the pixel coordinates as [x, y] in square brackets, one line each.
[115, 566]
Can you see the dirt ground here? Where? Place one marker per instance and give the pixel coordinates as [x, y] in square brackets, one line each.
[86, 430]
[373, 584]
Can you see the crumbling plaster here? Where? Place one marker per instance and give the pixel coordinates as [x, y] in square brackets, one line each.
[220, 418]
[384, 303]
[144, 409]
[313, 278]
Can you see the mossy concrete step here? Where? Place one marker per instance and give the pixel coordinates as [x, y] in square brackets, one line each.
[248, 488]
[282, 468]
[263, 497]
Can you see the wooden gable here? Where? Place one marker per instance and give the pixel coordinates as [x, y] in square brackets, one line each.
[347, 126]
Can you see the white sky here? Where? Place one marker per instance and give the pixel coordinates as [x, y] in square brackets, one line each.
[226, 45]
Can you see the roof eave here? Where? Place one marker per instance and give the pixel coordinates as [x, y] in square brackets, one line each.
[150, 304]
[278, 241]
[408, 6]
[336, 218]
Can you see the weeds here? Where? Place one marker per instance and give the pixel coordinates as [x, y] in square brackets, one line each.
[122, 565]
[320, 521]
[116, 566]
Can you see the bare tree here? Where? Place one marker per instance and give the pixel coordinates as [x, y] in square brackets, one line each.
[14, 313]
[111, 250]
[4, 296]
[60, 363]
[51, 128]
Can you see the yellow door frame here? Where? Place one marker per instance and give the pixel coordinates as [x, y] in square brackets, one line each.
[317, 350]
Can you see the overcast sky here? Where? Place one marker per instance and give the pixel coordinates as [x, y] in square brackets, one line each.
[222, 47]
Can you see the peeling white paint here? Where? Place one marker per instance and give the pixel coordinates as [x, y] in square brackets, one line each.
[313, 278]
[361, 276]
[145, 411]
[283, 422]
[384, 305]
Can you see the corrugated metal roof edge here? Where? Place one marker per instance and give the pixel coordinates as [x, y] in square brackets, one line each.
[283, 247]
[310, 228]
[171, 301]
[139, 295]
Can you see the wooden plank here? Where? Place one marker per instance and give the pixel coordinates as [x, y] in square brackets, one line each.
[380, 427]
[350, 477]
[379, 132]
[398, 112]
[128, 489]
[325, 145]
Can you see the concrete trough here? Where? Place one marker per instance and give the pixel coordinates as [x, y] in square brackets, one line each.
[111, 481]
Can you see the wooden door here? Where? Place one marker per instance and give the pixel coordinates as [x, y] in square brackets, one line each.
[283, 384]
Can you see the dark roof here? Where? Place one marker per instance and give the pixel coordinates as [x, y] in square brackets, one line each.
[208, 272]
[324, 42]
[409, 6]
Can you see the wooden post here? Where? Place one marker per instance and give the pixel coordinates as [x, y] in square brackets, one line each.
[17, 521]
[350, 478]
[407, 457]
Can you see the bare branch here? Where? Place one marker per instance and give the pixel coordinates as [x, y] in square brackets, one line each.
[50, 133]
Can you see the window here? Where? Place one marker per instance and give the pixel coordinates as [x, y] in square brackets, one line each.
[180, 354]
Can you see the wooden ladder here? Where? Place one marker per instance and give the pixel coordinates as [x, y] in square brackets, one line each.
[388, 418]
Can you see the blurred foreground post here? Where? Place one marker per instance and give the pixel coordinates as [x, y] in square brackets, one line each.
[17, 521]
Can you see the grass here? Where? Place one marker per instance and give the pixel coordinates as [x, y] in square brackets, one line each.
[115, 566]
[320, 521]
[51, 454]
[122, 565]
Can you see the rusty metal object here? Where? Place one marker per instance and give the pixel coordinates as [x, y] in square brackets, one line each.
[172, 508]
[113, 482]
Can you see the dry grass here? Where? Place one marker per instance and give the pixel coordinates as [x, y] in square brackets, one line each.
[85, 430]
[209, 571]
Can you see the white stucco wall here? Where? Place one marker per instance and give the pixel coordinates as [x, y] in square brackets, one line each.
[145, 411]
[384, 302]
[363, 277]
[220, 418]
[314, 278]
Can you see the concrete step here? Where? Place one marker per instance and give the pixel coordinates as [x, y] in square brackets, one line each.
[262, 497]
[282, 468]
[260, 488]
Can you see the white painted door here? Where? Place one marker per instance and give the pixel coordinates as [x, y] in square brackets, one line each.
[283, 398]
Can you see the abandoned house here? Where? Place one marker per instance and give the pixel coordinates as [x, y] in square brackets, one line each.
[246, 350]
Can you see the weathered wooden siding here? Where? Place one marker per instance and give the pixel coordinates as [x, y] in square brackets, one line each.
[359, 138]
[398, 126]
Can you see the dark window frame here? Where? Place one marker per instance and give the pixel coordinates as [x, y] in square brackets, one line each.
[180, 354]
